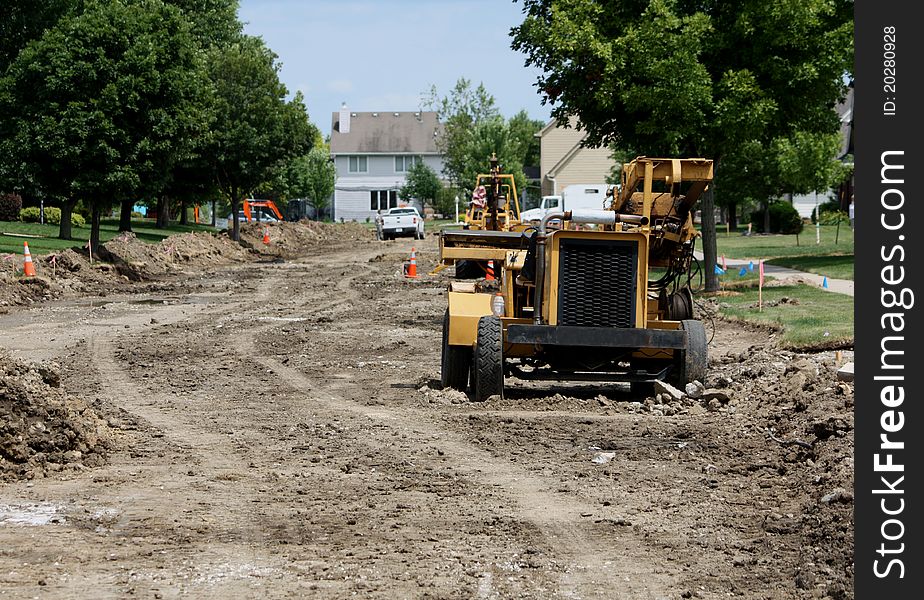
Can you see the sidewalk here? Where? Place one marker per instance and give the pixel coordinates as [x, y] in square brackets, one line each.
[840, 286]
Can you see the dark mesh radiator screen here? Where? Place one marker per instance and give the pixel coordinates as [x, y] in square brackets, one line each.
[596, 286]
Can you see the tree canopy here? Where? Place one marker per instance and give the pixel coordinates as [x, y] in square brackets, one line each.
[473, 130]
[422, 184]
[255, 130]
[103, 104]
[690, 77]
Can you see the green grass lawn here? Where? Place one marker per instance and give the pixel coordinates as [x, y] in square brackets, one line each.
[818, 319]
[109, 228]
[835, 267]
[777, 246]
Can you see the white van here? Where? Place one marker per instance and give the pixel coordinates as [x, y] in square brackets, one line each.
[579, 195]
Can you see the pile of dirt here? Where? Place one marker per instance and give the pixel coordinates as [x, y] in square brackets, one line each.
[42, 428]
[138, 260]
[292, 239]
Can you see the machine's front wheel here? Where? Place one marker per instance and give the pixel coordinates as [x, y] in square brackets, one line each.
[488, 363]
[693, 360]
[455, 362]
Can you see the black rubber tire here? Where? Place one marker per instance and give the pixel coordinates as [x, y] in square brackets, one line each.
[692, 361]
[641, 389]
[455, 361]
[468, 269]
[488, 361]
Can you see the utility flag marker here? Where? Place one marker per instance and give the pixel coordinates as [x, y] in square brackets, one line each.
[824, 283]
[760, 287]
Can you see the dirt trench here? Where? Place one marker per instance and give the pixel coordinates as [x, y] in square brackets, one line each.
[277, 431]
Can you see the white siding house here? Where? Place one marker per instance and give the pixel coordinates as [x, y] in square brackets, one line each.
[563, 161]
[372, 152]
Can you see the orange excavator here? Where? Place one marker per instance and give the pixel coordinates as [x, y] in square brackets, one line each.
[249, 204]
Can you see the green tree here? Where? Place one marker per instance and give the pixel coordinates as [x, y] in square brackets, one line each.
[256, 130]
[690, 77]
[524, 130]
[763, 172]
[312, 176]
[422, 184]
[473, 130]
[213, 22]
[102, 106]
[22, 21]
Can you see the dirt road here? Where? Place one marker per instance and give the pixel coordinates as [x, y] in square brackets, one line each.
[280, 432]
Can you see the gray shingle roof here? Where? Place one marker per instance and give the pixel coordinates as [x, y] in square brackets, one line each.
[384, 132]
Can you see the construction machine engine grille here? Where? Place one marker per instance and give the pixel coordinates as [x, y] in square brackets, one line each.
[597, 280]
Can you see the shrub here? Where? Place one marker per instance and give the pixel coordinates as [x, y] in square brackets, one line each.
[784, 218]
[10, 205]
[30, 214]
[831, 217]
[830, 206]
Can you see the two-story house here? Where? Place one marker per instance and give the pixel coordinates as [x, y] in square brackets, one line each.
[373, 152]
[563, 161]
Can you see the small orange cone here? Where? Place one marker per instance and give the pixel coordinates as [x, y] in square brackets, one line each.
[28, 269]
[266, 239]
[489, 276]
[412, 268]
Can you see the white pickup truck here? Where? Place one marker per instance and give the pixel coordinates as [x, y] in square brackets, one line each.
[397, 222]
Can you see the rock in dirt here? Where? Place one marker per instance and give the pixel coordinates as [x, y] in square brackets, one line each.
[695, 389]
[662, 387]
[716, 394]
[845, 373]
[837, 495]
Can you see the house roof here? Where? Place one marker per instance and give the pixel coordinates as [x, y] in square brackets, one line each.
[386, 133]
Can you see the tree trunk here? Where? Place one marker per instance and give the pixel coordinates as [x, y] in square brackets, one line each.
[236, 228]
[183, 218]
[97, 211]
[214, 216]
[163, 212]
[767, 216]
[64, 230]
[707, 207]
[733, 216]
[125, 216]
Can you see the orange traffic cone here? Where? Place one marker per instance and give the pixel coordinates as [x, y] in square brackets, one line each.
[266, 239]
[412, 268]
[489, 276]
[28, 269]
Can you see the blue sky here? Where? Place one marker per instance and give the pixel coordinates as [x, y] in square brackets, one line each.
[380, 55]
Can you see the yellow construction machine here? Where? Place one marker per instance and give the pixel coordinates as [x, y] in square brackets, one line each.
[603, 295]
[495, 205]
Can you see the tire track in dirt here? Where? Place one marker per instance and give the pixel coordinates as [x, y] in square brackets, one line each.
[597, 562]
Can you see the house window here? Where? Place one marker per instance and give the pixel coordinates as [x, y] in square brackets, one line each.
[383, 199]
[359, 164]
[403, 164]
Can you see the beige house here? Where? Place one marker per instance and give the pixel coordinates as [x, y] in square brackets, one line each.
[564, 162]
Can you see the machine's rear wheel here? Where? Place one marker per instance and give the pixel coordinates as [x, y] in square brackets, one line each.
[488, 363]
[468, 269]
[693, 360]
[455, 363]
